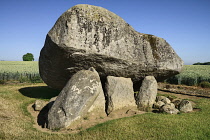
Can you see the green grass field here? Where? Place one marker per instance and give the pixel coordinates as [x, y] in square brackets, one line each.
[17, 123]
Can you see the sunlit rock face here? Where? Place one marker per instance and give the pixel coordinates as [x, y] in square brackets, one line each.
[89, 36]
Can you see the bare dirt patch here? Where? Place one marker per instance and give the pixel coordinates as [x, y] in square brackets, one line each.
[90, 120]
[185, 90]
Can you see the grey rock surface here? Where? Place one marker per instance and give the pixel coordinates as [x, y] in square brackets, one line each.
[90, 36]
[158, 104]
[169, 108]
[119, 93]
[99, 104]
[177, 102]
[185, 106]
[163, 99]
[51, 102]
[39, 104]
[75, 99]
[147, 93]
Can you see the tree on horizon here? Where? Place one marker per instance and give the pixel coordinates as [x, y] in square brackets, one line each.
[28, 57]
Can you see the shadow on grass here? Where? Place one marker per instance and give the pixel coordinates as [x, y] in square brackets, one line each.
[40, 92]
[43, 117]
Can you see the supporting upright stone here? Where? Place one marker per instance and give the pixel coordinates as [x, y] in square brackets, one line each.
[75, 99]
[98, 107]
[147, 94]
[119, 93]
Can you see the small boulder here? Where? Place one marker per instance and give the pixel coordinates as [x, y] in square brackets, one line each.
[163, 99]
[119, 93]
[169, 108]
[185, 106]
[158, 105]
[147, 94]
[176, 103]
[39, 104]
[75, 99]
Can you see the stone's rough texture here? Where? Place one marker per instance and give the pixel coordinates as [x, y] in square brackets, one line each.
[89, 36]
[158, 104]
[163, 99]
[119, 93]
[75, 99]
[185, 106]
[51, 102]
[99, 103]
[147, 94]
[39, 104]
[176, 103]
[169, 108]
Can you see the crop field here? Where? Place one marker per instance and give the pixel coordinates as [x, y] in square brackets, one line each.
[28, 71]
[22, 71]
[191, 75]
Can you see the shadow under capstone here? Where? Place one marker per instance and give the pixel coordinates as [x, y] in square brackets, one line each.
[39, 92]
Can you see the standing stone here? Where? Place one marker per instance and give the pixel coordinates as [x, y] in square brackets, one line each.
[185, 106]
[51, 102]
[119, 93]
[147, 94]
[75, 99]
[90, 36]
[99, 104]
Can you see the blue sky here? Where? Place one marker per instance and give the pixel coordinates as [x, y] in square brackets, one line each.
[185, 24]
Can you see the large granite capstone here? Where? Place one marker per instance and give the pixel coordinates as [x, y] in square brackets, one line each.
[90, 36]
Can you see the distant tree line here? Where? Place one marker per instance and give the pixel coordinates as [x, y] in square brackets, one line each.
[205, 63]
